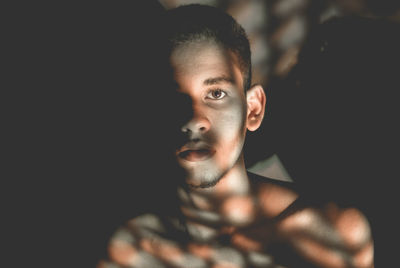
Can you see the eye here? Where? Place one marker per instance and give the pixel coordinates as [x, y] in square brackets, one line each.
[216, 94]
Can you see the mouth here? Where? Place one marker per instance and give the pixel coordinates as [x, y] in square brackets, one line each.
[196, 155]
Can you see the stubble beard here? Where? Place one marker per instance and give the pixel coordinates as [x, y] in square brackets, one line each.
[205, 179]
[208, 178]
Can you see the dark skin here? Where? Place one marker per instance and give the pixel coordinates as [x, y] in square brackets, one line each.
[230, 219]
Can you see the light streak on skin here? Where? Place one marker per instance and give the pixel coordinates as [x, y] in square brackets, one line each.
[365, 256]
[257, 259]
[201, 250]
[201, 232]
[192, 261]
[225, 265]
[148, 260]
[146, 223]
[125, 235]
[353, 228]
[123, 253]
[195, 214]
[238, 210]
[321, 255]
[228, 257]
[310, 224]
[298, 221]
[232, 185]
[164, 250]
[245, 243]
[202, 202]
[274, 199]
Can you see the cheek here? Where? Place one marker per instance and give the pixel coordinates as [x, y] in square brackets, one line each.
[229, 124]
[236, 120]
[229, 127]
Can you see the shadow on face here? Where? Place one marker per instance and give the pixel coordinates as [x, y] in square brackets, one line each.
[210, 84]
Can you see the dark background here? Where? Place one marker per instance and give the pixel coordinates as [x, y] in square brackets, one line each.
[85, 125]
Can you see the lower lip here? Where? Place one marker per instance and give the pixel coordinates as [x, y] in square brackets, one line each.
[196, 155]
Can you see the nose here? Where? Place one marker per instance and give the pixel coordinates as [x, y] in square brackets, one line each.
[198, 124]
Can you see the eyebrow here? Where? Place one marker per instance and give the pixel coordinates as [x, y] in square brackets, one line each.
[218, 80]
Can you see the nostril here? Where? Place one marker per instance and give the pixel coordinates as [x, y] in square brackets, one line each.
[196, 125]
[186, 130]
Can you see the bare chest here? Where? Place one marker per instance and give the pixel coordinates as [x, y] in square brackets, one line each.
[203, 246]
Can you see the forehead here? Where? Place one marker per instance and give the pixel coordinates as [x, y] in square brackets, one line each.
[202, 59]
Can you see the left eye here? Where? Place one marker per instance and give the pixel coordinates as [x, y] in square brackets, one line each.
[216, 94]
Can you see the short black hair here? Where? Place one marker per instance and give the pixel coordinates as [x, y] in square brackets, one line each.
[190, 23]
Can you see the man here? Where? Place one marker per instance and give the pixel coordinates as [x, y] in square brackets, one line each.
[226, 216]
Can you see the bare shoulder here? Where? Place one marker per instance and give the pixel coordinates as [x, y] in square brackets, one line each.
[329, 235]
[274, 196]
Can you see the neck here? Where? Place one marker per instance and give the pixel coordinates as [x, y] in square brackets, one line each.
[228, 202]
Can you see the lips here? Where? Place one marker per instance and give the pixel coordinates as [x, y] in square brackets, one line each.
[194, 155]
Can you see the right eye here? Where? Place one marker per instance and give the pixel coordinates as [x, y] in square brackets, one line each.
[216, 94]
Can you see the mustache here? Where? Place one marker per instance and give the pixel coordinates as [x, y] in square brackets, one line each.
[195, 141]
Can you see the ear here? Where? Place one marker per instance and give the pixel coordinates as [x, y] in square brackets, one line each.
[255, 107]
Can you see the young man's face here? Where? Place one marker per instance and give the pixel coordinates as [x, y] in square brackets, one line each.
[210, 78]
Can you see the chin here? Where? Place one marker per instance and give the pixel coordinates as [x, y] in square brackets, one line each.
[204, 184]
[206, 179]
